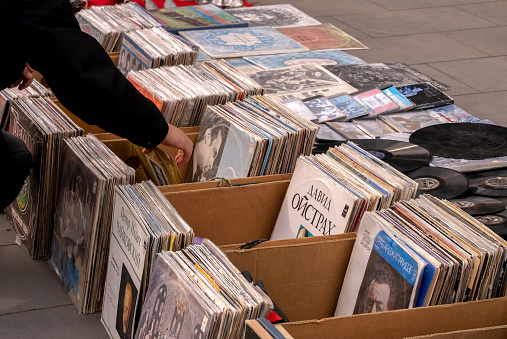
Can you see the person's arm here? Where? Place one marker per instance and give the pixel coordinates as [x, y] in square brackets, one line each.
[85, 80]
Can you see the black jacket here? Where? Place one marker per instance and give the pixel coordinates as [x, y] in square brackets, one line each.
[46, 34]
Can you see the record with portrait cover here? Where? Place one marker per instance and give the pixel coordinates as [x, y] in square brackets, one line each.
[403, 156]
[477, 205]
[496, 222]
[440, 182]
[463, 140]
[491, 183]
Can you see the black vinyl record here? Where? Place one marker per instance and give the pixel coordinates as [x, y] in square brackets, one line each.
[442, 183]
[463, 140]
[477, 205]
[492, 183]
[496, 222]
[401, 155]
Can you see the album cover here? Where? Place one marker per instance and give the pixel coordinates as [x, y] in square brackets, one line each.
[223, 149]
[238, 42]
[300, 108]
[398, 98]
[315, 204]
[76, 216]
[380, 75]
[327, 134]
[323, 57]
[451, 113]
[348, 130]
[409, 121]
[284, 15]
[174, 305]
[411, 72]
[375, 128]
[196, 17]
[383, 273]
[159, 166]
[349, 106]
[325, 36]
[125, 268]
[323, 109]
[424, 95]
[301, 81]
[376, 100]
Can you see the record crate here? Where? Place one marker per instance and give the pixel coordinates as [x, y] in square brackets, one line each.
[230, 212]
[304, 277]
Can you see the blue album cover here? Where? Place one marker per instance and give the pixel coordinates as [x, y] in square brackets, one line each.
[392, 273]
[323, 57]
[236, 42]
[349, 106]
[393, 94]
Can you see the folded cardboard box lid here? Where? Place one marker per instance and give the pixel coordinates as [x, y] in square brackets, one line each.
[406, 323]
[302, 276]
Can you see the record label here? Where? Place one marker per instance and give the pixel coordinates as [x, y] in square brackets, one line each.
[427, 184]
[491, 220]
[442, 183]
[463, 140]
[401, 155]
[496, 222]
[492, 183]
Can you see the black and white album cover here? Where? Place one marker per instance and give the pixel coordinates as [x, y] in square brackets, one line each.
[274, 15]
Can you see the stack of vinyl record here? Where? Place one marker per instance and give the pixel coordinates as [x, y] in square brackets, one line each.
[89, 172]
[43, 127]
[183, 92]
[198, 293]
[36, 89]
[144, 223]
[154, 47]
[223, 70]
[108, 23]
[487, 204]
[419, 253]
[329, 193]
[256, 137]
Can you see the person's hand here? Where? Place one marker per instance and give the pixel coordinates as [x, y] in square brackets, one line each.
[25, 79]
[178, 139]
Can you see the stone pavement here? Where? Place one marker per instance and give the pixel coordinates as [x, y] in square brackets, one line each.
[462, 43]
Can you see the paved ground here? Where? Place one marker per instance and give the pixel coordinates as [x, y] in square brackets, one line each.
[459, 42]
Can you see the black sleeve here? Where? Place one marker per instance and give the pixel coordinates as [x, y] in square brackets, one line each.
[84, 78]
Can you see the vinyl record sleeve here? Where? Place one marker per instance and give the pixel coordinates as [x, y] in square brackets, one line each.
[424, 95]
[315, 204]
[322, 57]
[126, 265]
[409, 121]
[325, 36]
[383, 262]
[238, 42]
[284, 15]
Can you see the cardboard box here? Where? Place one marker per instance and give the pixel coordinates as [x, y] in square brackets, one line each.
[440, 320]
[231, 215]
[302, 276]
[495, 332]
